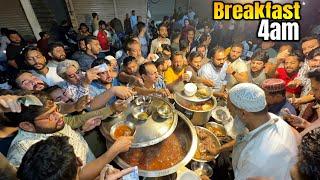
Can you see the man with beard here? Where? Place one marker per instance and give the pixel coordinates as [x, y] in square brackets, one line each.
[307, 45]
[292, 65]
[92, 50]
[57, 54]
[215, 70]
[40, 122]
[276, 96]
[269, 149]
[176, 73]
[257, 72]
[195, 62]
[78, 84]
[162, 39]
[237, 69]
[203, 50]
[29, 82]
[37, 62]
[133, 49]
[14, 58]
[105, 80]
[162, 64]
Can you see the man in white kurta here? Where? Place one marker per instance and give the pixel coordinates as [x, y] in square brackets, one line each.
[269, 149]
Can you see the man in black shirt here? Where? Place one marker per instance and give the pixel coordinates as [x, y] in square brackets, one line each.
[13, 51]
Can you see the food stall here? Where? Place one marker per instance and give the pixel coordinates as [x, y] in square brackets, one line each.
[165, 139]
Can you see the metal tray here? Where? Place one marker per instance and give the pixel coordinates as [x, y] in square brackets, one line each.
[180, 92]
[188, 136]
[152, 131]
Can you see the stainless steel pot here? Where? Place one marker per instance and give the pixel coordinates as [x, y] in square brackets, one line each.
[187, 134]
[198, 118]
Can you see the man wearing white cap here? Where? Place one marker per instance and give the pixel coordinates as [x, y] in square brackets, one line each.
[269, 149]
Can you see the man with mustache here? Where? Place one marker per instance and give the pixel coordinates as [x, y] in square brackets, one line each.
[237, 69]
[257, 73]
[37, 123]
[57, 54]
[176, 73]
[215, 71]
[37, 62]
[29, 82]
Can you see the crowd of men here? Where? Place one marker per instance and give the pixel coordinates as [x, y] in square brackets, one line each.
[271, 89]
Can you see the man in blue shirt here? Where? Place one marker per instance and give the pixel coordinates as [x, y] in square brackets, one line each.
[105, 81]
[133, 19]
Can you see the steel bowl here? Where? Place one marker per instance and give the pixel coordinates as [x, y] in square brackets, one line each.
[218, 117]
[201, 168]
[138, 110]
[187, 136]
[127, 123]
[164, 111]
[214, 127]
[215, 141]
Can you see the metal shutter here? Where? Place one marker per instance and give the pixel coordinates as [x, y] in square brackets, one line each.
[84, 8]
[105, 9]
[12, 16]
[125, 6]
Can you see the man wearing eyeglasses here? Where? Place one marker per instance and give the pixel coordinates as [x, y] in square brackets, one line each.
[40, 122]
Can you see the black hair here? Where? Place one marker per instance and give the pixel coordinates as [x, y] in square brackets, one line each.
[162, 25]
[216, 50]
[140, 26]
[298, 54]
[314, 74]
[309, 151]
[99, 61]
[102, 22]
[42, 33]
[260, 56]
[166, 47]
[177, 53]
[237, 45]
[54, 45]
[308, 38]
[203, 38]
[312, 54]
[83, 24]
[133, 11]
[94, 15]
[89, 39]
[183, 44]
[129, 43]
[26, 50]
[193, 55]
[28, 114]
[53, 158]
[51, 89]
[175, 35]
[143, 69]
[127, 60]
[159, 62]
[9, 32]
[4, 31]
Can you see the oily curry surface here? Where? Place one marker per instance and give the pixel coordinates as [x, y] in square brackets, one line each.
[157, 157]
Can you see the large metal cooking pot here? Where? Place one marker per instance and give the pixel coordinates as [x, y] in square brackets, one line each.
[197, 117]
[188, 139]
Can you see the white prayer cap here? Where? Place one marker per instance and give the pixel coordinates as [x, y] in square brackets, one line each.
[248, 96]
[109, 58]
